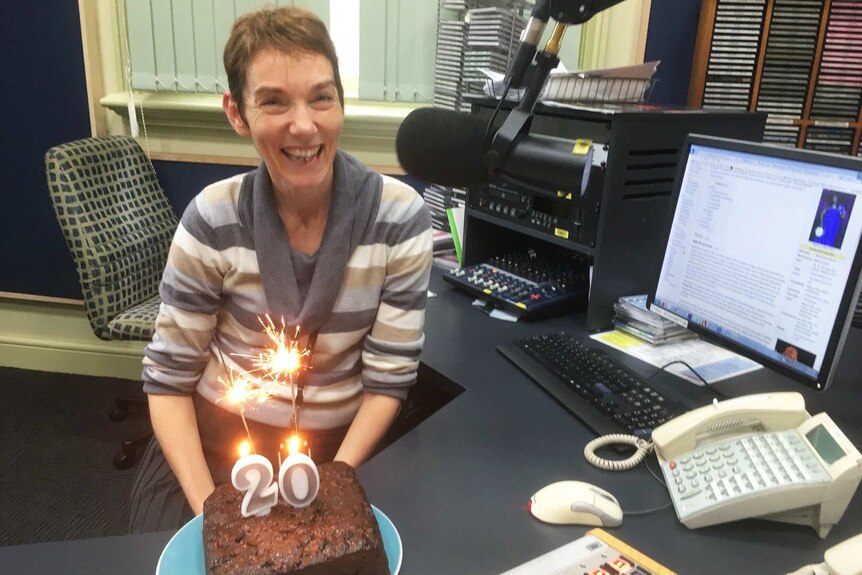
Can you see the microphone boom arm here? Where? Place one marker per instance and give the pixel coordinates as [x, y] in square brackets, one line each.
[517, 124]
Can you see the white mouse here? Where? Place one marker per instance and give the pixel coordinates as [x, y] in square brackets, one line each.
[576, 502]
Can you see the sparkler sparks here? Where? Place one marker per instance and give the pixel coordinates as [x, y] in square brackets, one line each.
[284, 356]
[240, 389]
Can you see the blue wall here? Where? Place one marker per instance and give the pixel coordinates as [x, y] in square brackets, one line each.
[182, 180]
[671, 38]
[44, 103]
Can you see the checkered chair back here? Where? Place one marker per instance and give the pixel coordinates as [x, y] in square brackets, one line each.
[118, 225]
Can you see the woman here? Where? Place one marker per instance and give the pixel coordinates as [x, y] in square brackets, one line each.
[831, 219]
[313, 238]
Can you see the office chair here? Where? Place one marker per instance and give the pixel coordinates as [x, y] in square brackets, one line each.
[118, 225]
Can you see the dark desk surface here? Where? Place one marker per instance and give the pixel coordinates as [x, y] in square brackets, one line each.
[456, 486]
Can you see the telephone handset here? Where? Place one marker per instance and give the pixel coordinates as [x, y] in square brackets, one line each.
[760, 455]
[842, 559]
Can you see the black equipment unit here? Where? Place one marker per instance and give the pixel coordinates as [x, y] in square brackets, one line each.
[620, 219]
[528, 284]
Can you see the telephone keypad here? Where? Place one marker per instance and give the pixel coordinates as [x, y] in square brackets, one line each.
[740, 466]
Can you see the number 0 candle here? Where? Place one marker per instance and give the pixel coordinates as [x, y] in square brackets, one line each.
[298, 478]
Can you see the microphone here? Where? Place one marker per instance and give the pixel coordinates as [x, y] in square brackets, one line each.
[449, 148]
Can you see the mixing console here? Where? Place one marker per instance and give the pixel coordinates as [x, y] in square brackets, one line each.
[528, 284]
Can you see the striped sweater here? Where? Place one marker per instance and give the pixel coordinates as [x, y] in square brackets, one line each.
[229, 266]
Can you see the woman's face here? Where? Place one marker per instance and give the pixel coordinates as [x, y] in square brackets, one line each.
[294, 118]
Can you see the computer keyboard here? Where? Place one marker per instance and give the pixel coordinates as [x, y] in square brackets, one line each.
[603, 394]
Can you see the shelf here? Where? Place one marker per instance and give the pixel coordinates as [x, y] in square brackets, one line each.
[793, 60]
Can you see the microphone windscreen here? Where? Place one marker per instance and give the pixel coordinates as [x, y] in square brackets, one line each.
[442, 147]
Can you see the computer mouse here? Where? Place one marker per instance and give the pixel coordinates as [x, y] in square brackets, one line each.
[576, 502]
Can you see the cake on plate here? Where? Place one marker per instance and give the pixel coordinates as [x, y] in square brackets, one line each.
[336, 534]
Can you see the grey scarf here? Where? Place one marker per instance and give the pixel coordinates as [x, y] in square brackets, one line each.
[356, 192]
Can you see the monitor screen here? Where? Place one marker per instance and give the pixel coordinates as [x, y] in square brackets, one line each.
[763, 253]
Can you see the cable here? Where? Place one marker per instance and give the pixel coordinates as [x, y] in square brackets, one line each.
[648, 510]
[643, 448]
[653, 473]
[706, 384]
[496, 110]
[651, 509]
[813, 569]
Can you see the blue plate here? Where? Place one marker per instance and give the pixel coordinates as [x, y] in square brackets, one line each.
[184, 553]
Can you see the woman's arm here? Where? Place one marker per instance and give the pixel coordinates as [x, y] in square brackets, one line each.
[371, 423]
[191, 293]
[390, 354]
[176, 428]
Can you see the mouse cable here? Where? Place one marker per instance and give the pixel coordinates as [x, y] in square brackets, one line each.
[642, 449]
[813, 569]
[654, 475]
[648, 510]
[651, 509]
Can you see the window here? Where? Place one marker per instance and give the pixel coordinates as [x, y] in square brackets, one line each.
[176, 45]
[386, 64]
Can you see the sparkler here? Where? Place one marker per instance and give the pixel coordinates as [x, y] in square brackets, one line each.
[282, 358]
[241, 389]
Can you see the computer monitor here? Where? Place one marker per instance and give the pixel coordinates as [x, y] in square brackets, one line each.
[763, 253]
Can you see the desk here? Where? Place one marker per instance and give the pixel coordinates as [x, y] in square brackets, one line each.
[456, 486]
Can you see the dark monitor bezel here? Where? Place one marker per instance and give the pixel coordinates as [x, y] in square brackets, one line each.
[851, 289]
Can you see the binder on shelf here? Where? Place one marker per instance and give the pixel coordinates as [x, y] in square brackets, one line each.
[456, 227]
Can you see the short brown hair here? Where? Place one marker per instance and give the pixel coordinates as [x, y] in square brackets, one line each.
[288, 29]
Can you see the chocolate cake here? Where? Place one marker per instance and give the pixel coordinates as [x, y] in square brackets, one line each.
[337, 534]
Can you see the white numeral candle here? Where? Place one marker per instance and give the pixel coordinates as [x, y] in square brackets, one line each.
[298, 478]
[253, 474]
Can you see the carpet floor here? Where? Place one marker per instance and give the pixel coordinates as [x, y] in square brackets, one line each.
[56, 448]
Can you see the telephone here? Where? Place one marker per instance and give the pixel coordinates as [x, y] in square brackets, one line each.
[762, 456]
[842, 559]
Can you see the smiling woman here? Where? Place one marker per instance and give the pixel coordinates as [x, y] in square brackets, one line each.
[293, 114]
[312, 237]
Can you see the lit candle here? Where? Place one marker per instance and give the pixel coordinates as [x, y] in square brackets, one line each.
[298, 478]
[252, 473]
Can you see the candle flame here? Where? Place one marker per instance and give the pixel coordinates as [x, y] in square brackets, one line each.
[244, 448]
[294, 443]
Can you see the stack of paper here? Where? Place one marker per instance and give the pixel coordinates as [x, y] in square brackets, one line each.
[625, 84]
[632, 316]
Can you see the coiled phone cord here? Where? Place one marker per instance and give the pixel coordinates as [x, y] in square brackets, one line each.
[642, 449]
